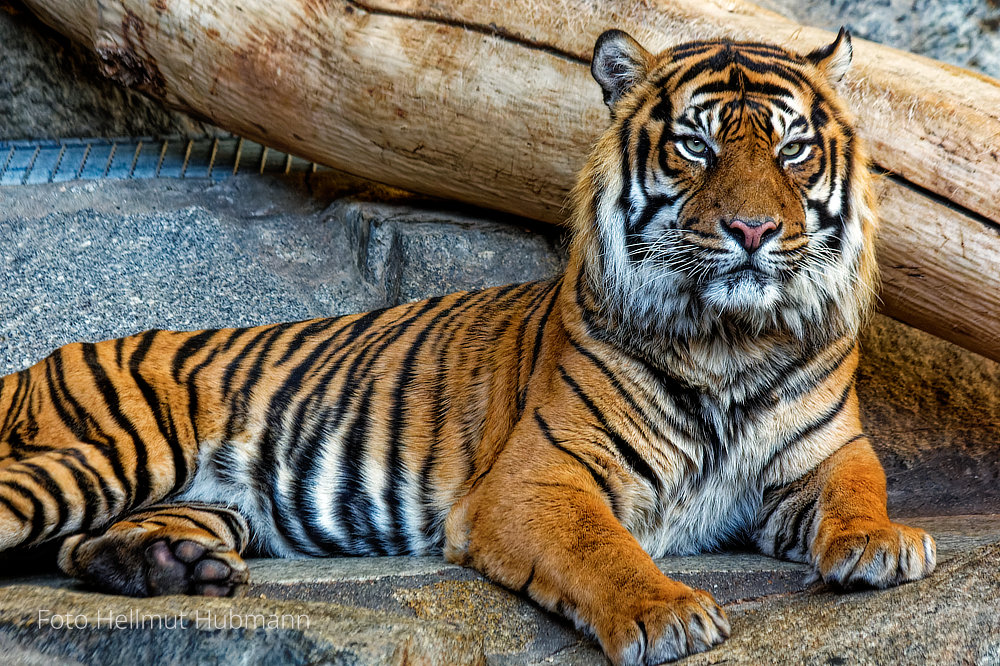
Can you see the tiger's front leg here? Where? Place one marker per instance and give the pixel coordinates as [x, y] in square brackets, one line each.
[539, 522]
[835, 518]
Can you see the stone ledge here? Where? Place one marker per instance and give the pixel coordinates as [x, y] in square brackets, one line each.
[394, 609]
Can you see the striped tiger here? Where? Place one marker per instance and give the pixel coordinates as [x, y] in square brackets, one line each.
[687, 382]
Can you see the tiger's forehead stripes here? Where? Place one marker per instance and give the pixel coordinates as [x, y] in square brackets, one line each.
[720, 91]
[760, 73]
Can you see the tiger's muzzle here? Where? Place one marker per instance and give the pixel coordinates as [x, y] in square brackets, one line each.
[752, 233]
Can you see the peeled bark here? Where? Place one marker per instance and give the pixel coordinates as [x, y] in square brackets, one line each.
[492, 103]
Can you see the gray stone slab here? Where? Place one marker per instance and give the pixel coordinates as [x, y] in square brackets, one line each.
[96, 260]
[949, 618]
[99, 260]
[73, 627]
[371, 609]
[411, 253]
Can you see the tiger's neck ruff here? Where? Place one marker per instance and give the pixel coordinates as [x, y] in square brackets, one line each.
[724, 215]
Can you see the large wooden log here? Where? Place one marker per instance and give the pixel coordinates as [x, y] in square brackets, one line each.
[491, 102]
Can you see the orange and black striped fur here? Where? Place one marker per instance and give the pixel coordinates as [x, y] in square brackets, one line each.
[688, 381]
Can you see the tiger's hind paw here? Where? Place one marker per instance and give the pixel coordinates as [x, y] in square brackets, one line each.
[188, 567]
[139, 562]
[877, 557]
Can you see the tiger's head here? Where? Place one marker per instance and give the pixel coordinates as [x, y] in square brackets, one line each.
[730, 194]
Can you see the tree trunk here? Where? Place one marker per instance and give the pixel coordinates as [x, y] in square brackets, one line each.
[492, 103]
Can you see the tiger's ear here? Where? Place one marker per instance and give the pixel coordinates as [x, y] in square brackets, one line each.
[619, 63]
[834, 59]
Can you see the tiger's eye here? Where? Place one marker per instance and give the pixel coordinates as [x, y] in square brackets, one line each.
[696, 146]
[792, 149]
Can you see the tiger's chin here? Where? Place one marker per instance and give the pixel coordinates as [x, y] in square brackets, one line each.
[746, 293]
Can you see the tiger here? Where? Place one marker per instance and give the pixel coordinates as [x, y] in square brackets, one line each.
[686, 383]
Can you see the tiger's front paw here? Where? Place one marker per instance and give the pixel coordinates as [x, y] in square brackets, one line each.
[874, 556]
[664, 626]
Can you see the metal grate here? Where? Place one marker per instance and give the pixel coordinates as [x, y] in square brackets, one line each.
[30, 162]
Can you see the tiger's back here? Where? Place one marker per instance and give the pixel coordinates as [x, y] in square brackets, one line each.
[288, 422]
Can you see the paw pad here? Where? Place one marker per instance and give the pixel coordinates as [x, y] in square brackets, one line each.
[188, 567]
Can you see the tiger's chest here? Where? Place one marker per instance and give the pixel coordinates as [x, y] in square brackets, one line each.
[712, 488]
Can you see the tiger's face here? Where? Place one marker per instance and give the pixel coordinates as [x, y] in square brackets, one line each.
[730, 191]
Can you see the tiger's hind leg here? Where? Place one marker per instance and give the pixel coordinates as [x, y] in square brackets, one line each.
[165, 549]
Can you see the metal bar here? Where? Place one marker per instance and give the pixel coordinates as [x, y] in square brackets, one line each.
[47, 161]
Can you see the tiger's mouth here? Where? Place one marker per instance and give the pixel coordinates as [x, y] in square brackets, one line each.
[747, 288]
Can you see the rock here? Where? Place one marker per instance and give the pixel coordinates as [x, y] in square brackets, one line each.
[50, 87]
[933, 412]
[92, 261]
[962, 32]
[76, 627]
[414, 253]
[949, 618]
[372, 610]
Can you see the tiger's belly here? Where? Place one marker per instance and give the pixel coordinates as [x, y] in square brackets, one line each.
[325, 501]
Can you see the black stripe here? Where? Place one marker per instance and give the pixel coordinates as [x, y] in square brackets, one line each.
[161, 410]
[238, 362]
[599, 479]
[239, 404]
[185, 516]
[625, 394]
[625, 450]
[55, 379]
[235, 523]
[625, 146]
[43, 478]
[355, 504]
[111, 398]
[431, 522]
[88, 428]
[119, 351]
[523, 378]
[310, 330]
[774, 509]
[816, 425]
[791, 391]
[191, 346]
[264, 470]
[86, 486]
[527, 583]
[554, 290]
[16, 402]
[97, 492]
[305, 460]
[20, 515]
[191, 383]
[37, 518]
[789, 537]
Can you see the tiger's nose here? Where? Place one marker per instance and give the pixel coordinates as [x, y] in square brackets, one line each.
[752, 233]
